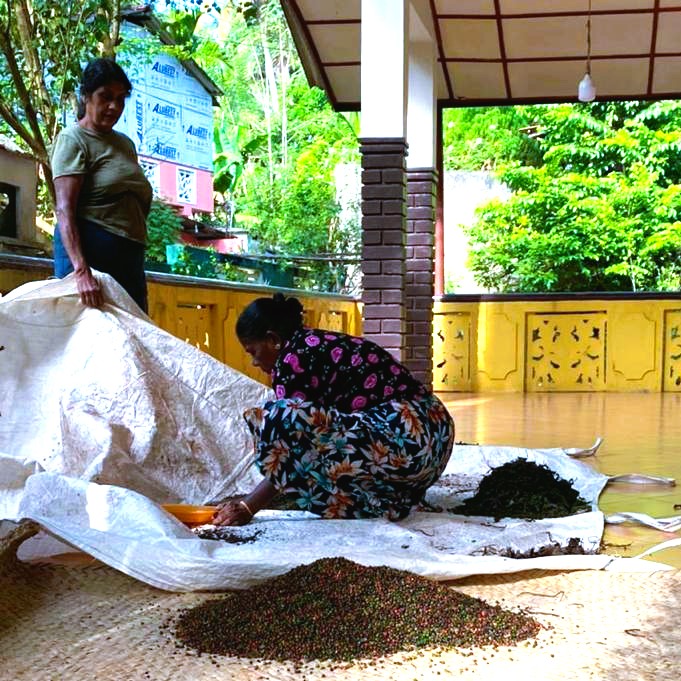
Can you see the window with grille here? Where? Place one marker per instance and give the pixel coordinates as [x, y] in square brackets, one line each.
[186, 185]
[151, 172]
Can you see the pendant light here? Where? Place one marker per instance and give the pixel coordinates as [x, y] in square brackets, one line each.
[586, 91]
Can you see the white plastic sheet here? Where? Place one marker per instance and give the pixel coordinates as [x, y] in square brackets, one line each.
[104, 416]
[129, 532]
[671, 524]
[108, 397]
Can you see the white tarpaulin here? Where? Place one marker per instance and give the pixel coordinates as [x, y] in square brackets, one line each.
[108, 397]
[104, 416]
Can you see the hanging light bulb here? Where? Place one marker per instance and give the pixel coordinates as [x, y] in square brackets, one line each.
[586, 90]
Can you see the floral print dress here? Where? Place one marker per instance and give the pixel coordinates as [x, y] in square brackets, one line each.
[351, 434]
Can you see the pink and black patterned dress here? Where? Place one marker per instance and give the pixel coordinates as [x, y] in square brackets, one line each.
[351, 434]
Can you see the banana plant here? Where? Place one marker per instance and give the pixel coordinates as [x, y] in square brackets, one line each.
[233, 149]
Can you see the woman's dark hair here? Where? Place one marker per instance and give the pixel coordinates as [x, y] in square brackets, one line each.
[282, 315]
[97, 73]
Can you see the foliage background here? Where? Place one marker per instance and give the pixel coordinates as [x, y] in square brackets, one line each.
[596, 199]
[279, 144]
[595, 188]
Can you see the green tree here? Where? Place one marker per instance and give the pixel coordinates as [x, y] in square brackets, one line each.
[42, 46]
[602, 211]
[278, 141]
[484, 138]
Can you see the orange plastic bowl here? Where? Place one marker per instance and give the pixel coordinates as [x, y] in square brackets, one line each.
[191, 515]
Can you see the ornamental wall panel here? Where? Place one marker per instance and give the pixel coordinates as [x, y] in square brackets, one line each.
[672, 351]
[566, 351]
[194, 324]
[332, 320]
[452, 352]
[500, 329]
[633, 347]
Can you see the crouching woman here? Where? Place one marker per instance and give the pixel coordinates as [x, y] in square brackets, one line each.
[351, 433]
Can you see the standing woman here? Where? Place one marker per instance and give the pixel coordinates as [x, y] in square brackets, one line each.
[103, 197]
[351, 434]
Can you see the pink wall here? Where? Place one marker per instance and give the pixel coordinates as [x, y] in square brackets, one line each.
[205, 191]
[220, 245]
[204, 188]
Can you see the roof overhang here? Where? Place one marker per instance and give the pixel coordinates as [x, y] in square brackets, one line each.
[495, 52]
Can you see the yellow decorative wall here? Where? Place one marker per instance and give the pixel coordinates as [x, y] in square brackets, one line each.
[565, 350]
[613, 343]
[554, 344]
[204, 315]
[451, 352]
[672, 350]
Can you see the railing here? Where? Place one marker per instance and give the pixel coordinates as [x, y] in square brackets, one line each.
[203, 312]
[558, 343]
[552, 343]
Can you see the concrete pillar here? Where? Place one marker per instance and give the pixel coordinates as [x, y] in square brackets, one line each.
[421, 194]
[439, 254]
[384, 45]
[398, 191]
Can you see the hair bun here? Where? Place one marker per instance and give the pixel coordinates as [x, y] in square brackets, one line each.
[279, 314]
[290, 305]
[294, 306]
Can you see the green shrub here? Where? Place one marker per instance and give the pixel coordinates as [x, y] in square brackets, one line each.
[164, 226]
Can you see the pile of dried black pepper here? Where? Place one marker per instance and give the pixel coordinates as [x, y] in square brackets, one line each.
[221, 533]
[523, 489]
[334, 609]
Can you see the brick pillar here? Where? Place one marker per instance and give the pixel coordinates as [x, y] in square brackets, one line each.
[421, 197]
[384, 211]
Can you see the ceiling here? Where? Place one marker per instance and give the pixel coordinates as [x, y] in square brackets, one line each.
[508, 51]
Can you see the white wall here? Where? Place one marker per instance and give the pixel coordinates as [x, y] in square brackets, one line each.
[464, 191]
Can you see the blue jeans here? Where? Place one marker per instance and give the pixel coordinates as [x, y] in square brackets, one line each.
[122, 258]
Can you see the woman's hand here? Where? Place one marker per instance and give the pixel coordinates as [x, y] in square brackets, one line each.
[67, 190]
[232, 513]
[240, 512]
[89, 288]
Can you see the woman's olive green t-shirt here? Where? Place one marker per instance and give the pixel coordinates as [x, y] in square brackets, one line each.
[115, 193]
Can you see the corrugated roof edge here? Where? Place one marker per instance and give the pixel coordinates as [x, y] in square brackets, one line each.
[8, 145]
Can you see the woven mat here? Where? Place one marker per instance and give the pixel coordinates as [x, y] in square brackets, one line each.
[90, 622]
